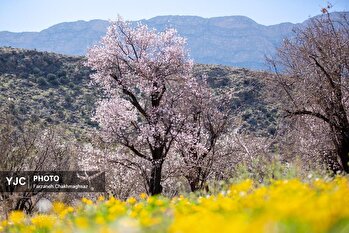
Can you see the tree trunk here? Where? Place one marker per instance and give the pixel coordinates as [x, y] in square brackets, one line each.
[194, 183]
[194, 179]
[341, 134]
[155, 186]
[342, 147]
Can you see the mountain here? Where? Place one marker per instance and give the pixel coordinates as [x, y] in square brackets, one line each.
[53, 89]
[65, 38]
[233, 40]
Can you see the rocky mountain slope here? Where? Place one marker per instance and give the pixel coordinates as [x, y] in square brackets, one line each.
[54, 89]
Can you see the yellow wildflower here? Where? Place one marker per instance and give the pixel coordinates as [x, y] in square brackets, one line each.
[81, 222]
[131, 200]
[43, 221]
[16, 217]
[86, 201]
[100, 220]
[143, 196]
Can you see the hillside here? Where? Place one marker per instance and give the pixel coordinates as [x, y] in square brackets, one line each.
[53, 89]
[45, 87]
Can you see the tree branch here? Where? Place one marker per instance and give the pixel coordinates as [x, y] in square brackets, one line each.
[136, 152]
[328, 76]
[132, 97]
[310, 113]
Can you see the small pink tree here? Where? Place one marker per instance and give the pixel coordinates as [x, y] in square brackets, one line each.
[145, 75]
[207, 119]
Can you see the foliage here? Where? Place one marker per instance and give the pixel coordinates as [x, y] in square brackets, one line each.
[281, 206]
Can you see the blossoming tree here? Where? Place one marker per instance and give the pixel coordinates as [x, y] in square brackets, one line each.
[207, 118]
[145, 75]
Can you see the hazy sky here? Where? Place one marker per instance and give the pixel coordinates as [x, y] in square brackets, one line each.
[35, 15]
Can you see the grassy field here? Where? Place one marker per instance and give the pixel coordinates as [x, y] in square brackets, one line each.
[281, 206]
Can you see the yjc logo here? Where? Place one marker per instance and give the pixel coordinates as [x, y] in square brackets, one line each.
[16, 180]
